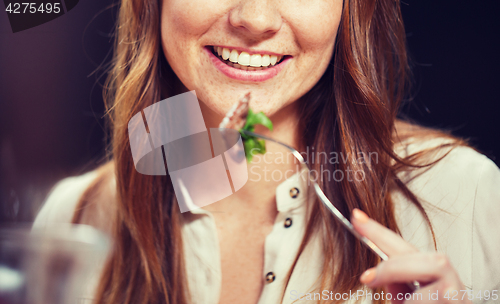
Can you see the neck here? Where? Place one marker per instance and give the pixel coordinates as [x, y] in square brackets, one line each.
[258, 194]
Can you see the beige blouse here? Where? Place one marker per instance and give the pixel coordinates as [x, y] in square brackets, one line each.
[465, 184]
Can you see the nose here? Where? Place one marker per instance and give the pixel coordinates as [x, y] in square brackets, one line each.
[256, 17]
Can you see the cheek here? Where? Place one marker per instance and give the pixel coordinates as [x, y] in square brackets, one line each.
[315, 25]
[315, 28]
[183, 22]
[188, 16]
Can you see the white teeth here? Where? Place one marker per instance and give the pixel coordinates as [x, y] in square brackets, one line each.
[244, 59]
[255, 60]
[225, 54]
[234, 56]
[241, 60]
[265, 60]
[274, 59]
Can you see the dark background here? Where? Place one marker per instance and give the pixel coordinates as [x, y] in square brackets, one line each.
[51, 108]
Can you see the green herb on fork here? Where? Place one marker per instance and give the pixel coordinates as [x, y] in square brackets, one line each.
[240, 117]
[254, 145]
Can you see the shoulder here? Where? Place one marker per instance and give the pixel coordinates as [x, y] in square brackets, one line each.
[62, 199]
[82, 199]
[440, 159]
[446, 169]
[460, 193]
[446, 163]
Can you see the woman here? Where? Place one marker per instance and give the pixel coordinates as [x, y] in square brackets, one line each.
[428, 201]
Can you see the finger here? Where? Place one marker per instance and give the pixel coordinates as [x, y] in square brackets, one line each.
[421, 267]
[387, 240]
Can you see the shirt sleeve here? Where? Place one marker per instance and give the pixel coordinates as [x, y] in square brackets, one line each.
[61, 202]
[486, 231]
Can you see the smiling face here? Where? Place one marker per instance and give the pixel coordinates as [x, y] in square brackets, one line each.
[276, 49]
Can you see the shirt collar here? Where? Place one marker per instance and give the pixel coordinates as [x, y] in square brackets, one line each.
[290, 194]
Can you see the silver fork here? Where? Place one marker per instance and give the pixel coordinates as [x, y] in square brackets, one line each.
[328, 204]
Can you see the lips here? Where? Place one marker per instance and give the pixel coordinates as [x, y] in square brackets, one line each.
[246, 66]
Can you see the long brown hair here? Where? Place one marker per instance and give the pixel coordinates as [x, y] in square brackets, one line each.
[352, 109]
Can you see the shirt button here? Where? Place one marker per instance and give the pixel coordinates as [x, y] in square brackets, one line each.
[294, 192]
[288, 222]
[270, 277]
